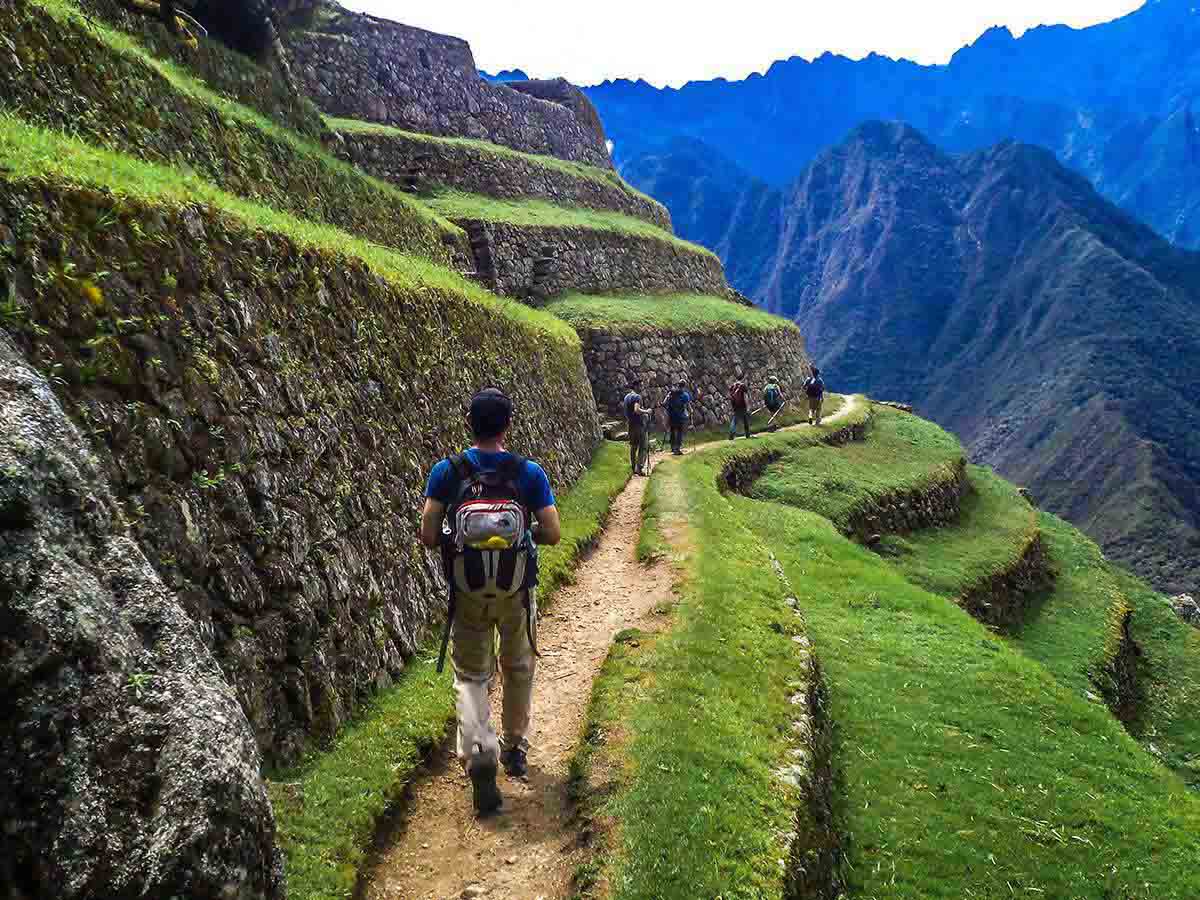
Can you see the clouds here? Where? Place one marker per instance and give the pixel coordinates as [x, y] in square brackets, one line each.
[671, 42]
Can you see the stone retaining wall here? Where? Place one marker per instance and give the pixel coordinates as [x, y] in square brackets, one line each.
[360, 67]
[933, 504]
[267, 413]
[1002, 599]
[592, 261]
[710, 361]
[391, 156]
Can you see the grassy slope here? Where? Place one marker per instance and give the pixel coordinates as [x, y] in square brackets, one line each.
[904, 453]
[328, 806]
[29, 153]
[607, 177]
[1170, 677]
[1070, 624]
[685, 727]
[340, 175]
[540, 214]
[682, 313]
[1033, 791]
[996, 526]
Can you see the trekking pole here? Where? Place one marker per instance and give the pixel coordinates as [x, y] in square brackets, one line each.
[777, 412]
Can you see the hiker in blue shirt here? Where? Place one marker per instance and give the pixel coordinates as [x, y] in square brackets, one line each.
[678, 414]
[497, 505]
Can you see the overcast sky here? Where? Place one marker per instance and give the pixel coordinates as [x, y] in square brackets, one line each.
[671, 42]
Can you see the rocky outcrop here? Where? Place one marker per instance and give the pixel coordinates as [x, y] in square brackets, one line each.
[129, 768]
[360, 67]
[592, 261]
[399, 157]
[1187, 608]
[266, 412]
[708, 360]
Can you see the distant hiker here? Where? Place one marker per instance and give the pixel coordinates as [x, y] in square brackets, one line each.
[738, 399]
[678, 414]
[637, 417]
[814, 389]
[773, 397]
[486, 509]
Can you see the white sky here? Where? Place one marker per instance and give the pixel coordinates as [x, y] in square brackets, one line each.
[674, 41]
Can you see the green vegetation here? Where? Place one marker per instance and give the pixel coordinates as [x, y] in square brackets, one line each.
[236, 148]
[794, 413]
[1034, 791]
[681, 313]
[996, 526]
[539, 214]
[905, 453]
[328, 806]
[29, 153]
[686, 728]
[606, 177]
[1169, 675]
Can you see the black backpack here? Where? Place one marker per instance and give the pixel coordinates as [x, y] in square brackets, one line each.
[476, 560]
[814, 387]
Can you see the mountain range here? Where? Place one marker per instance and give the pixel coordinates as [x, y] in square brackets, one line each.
[1053, 332]
[1116, 101]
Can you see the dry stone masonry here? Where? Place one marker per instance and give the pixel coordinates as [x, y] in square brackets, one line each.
[266, 414]
[594, 261]
[360, 67]
[393, 155]
[709, 360]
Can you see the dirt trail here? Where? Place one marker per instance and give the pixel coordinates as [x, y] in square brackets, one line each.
[530, 849]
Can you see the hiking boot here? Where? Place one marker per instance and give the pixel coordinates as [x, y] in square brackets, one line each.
[515, 763]
[484, 792]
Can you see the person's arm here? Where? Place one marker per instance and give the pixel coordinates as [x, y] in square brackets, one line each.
[548, 529]
[431, 522]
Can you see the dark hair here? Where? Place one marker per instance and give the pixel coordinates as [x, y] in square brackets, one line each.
[491, 413]
[816, 371]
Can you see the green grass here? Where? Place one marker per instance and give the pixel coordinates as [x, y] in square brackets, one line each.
[996, 526]
[680, 313]
[903, 454]
[968, 768]
[690, 724]
[327, 807]
[29, 153]
[540, 214]
[606, 177]
[1169, 675]
[794, 413]
[243, 158]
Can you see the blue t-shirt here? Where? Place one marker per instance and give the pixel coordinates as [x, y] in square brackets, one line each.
[533, 484]
[677, 406]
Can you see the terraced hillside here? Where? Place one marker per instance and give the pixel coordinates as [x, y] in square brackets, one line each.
[234, 336]
[848, 728]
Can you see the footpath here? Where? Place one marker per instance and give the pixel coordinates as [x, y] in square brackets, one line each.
[531, 849]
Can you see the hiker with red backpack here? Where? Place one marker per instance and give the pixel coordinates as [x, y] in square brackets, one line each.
[814, 389]
[487, 510]
[739, 399]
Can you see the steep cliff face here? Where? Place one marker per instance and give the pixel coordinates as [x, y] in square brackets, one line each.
[1014, 305]
[129, 768]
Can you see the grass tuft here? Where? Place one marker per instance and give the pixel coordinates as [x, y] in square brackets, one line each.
[678, 313]
[461, 206]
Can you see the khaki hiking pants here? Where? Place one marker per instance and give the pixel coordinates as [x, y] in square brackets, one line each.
[814, 409]
[476, 621]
